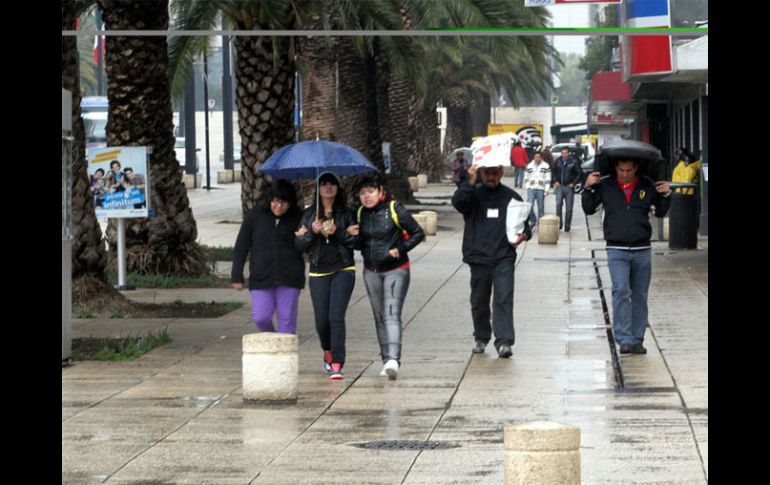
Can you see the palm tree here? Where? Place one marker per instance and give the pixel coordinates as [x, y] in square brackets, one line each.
[264, 69]
[140, 114]
[89, 282]
[466, 70]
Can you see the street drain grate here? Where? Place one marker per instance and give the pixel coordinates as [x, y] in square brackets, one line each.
[406, 445]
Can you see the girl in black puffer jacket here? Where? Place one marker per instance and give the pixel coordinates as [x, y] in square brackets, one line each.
[381, 239]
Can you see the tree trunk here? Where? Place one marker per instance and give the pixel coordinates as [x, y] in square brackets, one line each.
[265, 99]
[429, 158]
[89, 282]
[140, 114]
[88, 252]
[480, 116]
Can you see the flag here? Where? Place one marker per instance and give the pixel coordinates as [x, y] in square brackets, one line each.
[96, 47]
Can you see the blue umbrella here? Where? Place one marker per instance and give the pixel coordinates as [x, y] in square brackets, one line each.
[308, 159]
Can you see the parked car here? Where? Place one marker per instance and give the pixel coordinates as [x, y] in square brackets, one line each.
[94, 112]
[556, 150]
[181, 152]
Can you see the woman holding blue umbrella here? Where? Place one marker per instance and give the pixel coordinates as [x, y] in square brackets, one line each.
[385, 233]
[323, 236]
[276, 267]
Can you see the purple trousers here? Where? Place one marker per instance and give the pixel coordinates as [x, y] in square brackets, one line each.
[284, 300]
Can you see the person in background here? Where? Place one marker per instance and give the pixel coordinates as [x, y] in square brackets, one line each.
[538, 181]
[460, 168]
[519, 160]
[565, 173]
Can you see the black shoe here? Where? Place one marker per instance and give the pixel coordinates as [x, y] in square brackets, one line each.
[566, 229]
[626, 348]
[480, 347]
[504, 351]
[638, 349]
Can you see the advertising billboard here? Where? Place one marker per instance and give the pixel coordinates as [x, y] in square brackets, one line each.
[119, 181]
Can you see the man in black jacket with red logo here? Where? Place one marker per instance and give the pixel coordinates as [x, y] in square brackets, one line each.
[627, 200]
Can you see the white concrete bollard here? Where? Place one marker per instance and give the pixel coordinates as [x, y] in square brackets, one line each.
[431, 223]
[548, 230]
[422, 220]
[413, 184]
[542, 452]
[192, 183]
[224, 176]
[422, 180]
[237, 174]
[270, 366]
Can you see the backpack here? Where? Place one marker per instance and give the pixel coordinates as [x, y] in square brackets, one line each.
[404, 233]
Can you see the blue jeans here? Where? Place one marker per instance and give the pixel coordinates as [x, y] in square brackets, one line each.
[539, 196]
[630, 272]
[565, 193]
[518, 176]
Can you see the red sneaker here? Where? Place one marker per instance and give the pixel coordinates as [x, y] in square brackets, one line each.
[336, 374]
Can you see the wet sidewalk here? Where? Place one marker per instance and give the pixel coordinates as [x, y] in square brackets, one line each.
[176, 415]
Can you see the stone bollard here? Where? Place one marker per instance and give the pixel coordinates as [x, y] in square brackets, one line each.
[542, 452]
[422, 180]
[237, 175]
[431, 223]
[422, 220]
[548, 230]
[192, 181]
[270, 366]
[224, 176]
[413, 184]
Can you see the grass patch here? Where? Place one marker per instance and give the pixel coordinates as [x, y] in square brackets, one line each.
[220, 253]
[83, 312]
[122, 348]
[172, 281]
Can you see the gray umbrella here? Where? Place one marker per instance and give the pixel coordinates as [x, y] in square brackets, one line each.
[649, 157]
[467, 153]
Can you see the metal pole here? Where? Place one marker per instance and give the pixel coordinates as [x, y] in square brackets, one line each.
[99, 56]
[206, 108]
[227, 103]
[122, 282]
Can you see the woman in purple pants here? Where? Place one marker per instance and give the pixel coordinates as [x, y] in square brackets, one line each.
[276, 268]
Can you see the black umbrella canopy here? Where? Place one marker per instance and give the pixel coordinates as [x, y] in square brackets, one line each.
[650, 160]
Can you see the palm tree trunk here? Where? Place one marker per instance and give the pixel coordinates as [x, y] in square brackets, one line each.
[265, 99]
[429, 158]
[480, 116]
[140, 114]
[88, 253]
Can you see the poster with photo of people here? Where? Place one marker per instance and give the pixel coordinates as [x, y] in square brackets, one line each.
[119, 181]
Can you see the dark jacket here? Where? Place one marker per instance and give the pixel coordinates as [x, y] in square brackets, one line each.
[626, 225]
[566, 173]
[273, 258]
[379, 235]
[311, 242]
[484, 239]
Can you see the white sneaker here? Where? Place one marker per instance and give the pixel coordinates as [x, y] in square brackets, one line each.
[391, 369]
[383, 373]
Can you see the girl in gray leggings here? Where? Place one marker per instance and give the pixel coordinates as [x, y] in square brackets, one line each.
[385, 232]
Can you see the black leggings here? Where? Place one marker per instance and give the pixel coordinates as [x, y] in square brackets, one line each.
[330, 295]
